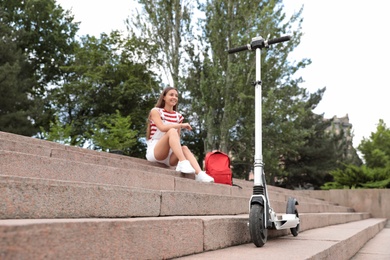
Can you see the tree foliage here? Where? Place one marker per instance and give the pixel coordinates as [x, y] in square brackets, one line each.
[108, 74]
[94, 90]
[115, 133]
[376, 172]
[40, 36]
[167, 24]
[310, 165]
[221, 84]
[376, 149]
[15, 86]
[326, 149]
[58, 132]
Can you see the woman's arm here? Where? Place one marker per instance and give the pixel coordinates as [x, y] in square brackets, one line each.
[155, 117]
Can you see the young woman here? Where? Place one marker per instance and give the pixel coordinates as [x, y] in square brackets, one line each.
[163, 137]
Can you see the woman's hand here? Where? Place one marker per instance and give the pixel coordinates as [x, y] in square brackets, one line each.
[186, 126]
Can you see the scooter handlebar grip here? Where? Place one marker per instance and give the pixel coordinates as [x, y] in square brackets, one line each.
[281, 39]
[238, 49]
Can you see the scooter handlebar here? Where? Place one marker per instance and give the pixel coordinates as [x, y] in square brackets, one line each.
[238, 49]
[281, 39]
[259, 43]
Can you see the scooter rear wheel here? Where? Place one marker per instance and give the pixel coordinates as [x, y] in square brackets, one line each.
[291, 209]
[257, 229]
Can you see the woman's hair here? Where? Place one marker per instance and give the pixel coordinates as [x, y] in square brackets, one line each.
[160, 104]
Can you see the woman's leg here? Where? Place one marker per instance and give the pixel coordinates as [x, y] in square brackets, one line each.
[190, 157]
[171, 140]
[199, 174]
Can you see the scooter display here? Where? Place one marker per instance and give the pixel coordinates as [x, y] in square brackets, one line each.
[261, 216]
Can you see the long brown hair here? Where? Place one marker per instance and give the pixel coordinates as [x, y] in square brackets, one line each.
[160, 104]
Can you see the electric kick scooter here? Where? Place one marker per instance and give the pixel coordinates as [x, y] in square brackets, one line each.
[261, 216]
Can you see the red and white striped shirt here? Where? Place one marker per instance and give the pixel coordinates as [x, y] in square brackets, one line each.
[167, 118]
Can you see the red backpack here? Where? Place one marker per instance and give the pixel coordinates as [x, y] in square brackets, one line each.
[217, 165]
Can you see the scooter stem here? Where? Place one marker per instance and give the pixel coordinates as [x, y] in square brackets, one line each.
[258, 164]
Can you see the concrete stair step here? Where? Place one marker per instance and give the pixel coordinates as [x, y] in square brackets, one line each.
[29, 165]
[68, 202]
[45, 198]
[21, 144]
[75, 154]
[170, 237]
[340, 241]
[376, 248]
[27, 145]
[25, 197]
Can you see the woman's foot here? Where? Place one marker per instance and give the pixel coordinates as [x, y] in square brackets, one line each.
[203, 177]
[185, 167]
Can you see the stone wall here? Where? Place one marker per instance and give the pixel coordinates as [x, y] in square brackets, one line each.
[374, 201]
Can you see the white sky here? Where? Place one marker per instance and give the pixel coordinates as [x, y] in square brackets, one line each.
[347, 41]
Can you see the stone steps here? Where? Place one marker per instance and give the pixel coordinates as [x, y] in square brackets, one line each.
[336, 242]
[59, 201]
[43, 167]
[27, 145]
[163, 237]
[27, 197]
[376, 248]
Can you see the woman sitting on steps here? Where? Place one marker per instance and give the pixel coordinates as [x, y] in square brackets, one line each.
[163, 137]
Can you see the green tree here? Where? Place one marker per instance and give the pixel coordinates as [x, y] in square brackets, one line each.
[45, 32]
[115, 134]
[109, 73]
[376, 171]
[351, 177]
[58, 132]
[221, 88]
[376, 149]
[41, 36]
[311, 163]
[168, 25]
[325, 149]
[15, 86]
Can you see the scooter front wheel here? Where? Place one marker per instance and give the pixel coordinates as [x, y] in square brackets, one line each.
[257, 229]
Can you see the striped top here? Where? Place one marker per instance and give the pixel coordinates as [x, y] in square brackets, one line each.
[167, 118]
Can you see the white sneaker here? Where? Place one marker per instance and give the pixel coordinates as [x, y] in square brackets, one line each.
[185, 167]
[203, 177]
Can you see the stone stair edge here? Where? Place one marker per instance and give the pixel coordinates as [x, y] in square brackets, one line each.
[92, 153]
[174, 174]
[29, 165]
[307, 218]
[162, 168]
[32, 180]
[164, 182]
[58, 146]
[45, 198]
[243, 183]
[47, 144]
[186, 235]
[25, 179]
[65, 152]
[340, 241]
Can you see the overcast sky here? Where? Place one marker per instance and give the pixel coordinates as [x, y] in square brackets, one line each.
[347, 41]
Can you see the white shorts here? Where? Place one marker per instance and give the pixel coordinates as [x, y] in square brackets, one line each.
[150, 153]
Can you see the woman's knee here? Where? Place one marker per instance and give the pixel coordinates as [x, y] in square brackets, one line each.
[172, 131]
[185, 149]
